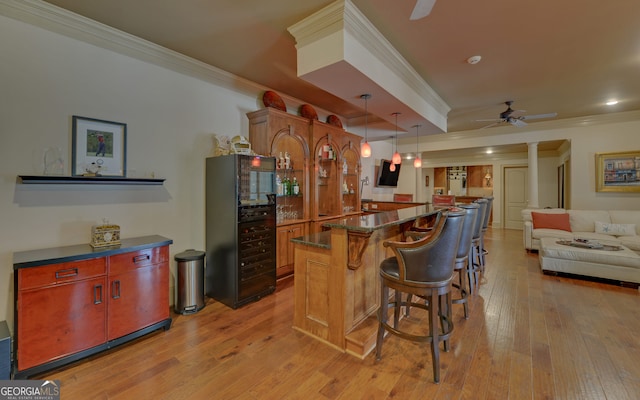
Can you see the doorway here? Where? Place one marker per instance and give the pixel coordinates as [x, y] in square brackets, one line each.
[516, 193]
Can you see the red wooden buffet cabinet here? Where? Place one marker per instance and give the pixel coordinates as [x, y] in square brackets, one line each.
[75, 301]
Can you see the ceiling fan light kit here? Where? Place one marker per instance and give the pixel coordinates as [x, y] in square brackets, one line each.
[518, 121]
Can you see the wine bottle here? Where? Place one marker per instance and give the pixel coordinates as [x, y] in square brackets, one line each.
[296, 187]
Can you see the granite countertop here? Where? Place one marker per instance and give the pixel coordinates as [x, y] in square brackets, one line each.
[365, 223]
[34, 258]
[380, 220]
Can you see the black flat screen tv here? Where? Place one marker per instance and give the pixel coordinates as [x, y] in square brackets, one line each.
[387, 178]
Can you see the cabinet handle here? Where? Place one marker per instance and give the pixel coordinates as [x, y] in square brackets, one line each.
[115, 289]
[144, 257]
[97, 294]
[66, 273]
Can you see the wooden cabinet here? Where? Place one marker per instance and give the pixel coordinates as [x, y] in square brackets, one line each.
[284, 247]
[134, 299]
[336, 172]
[74, 301]
[350, 153]
[440, 182]
[61, 309]
[284, 136]
[314, 154]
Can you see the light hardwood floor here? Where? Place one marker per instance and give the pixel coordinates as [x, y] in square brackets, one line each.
[529, 336]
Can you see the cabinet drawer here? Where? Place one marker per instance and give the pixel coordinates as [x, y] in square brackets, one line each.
[136, 259]
[48, 275]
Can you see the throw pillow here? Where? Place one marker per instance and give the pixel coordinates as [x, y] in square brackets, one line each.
[615, 229]
[551, 221]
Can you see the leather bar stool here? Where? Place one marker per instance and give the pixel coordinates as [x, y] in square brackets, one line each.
[463, 262]
[485, 225]
[423, 268]
[476, 260]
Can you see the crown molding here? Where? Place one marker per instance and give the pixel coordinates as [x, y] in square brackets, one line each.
[58, 20]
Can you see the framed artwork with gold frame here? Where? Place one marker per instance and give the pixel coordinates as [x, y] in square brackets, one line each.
[618, 172]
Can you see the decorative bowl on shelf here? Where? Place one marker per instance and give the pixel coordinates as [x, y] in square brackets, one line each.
[273, 100]
[307, 111]
[334, 120]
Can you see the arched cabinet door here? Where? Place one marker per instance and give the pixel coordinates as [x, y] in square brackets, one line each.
[292, 183]
[326, 197]
[285, 136]
[350, 186]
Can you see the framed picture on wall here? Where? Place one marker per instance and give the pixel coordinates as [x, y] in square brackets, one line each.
[618, 172]
[99, 148]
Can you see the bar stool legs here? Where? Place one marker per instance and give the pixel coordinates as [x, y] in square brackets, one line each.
[438, 307]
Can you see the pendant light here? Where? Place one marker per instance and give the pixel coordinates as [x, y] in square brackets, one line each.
[365, 149]
[417, 162]
[396, 159]
[392, 166]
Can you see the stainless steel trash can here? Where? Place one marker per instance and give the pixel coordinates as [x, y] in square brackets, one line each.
[190, 282]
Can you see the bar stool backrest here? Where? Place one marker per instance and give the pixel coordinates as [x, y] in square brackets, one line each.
[432, 260]
[477, 231]
[466, 237]
[487, 214]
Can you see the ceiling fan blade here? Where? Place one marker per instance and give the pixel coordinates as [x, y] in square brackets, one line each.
[490, 125]
[517, 122]
[490, 119]
[422, 9]
[539, 116]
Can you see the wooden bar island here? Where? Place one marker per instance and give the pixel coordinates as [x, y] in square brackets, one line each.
[336, 280]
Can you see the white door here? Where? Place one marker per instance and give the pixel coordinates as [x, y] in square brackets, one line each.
[515, 195]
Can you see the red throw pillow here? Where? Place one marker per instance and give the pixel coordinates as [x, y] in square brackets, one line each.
[551, 221]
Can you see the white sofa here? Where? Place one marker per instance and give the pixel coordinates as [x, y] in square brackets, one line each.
[615, 227]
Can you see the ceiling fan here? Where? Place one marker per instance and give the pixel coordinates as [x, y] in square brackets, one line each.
[422, 9]
[507, 117]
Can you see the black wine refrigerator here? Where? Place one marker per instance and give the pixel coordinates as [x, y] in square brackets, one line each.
[240, 228]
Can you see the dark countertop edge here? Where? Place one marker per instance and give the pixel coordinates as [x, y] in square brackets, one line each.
[410, 213]
[54, 255]
[320, 240]
[323, 239]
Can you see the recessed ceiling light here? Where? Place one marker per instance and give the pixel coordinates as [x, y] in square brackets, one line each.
[612, 102]
[489, 151]
[474, 60]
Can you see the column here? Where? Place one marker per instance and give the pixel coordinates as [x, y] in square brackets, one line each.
[533, 175]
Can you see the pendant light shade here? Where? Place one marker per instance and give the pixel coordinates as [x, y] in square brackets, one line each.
[396, 159]
[365, 148]
[417, 162]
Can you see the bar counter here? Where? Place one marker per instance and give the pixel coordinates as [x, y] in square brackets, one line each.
[336, 281]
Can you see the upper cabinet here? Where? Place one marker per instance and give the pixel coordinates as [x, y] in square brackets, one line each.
[318, 165]
[326, 202]
[350, 154]
[284, 136]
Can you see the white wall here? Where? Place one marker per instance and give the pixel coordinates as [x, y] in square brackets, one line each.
[45, 79]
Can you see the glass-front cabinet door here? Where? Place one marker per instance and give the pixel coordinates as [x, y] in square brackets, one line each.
[350, 188]
[291, 154]
[327, 179]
